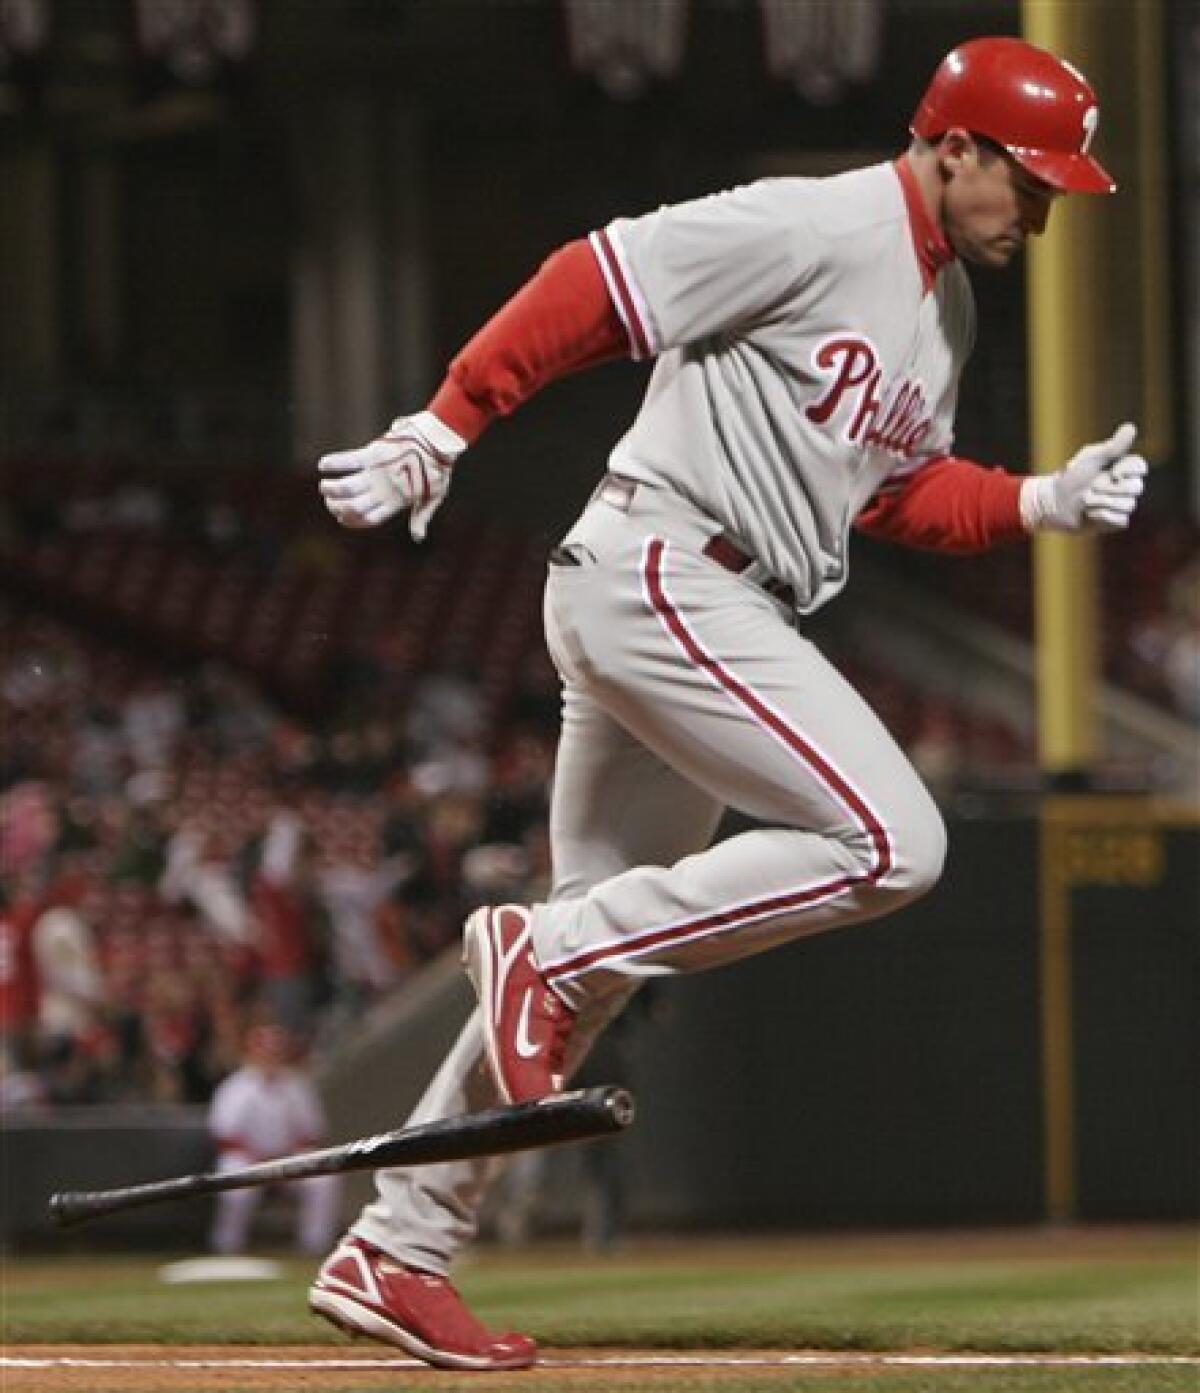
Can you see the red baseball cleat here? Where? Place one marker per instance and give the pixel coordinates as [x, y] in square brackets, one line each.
[364, 1292]
[526, 1023]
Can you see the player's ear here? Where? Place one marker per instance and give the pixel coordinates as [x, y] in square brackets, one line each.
[956, 148]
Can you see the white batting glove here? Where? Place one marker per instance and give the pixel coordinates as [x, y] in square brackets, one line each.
[1096, 491]
[407, 468]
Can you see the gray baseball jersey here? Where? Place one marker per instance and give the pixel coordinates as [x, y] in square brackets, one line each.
[800, 359]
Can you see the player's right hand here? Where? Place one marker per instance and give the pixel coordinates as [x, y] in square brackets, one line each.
[408, 468]
[1096, 491]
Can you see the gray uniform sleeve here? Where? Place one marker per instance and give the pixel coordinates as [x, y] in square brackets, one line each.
[722, 263]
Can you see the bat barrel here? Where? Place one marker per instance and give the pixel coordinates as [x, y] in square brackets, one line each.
[562, 1117]
[620, 1107]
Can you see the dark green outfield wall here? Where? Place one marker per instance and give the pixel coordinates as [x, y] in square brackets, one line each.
[892, 1073]
[886, 1074]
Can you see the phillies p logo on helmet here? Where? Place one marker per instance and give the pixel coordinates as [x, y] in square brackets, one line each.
[1091, 119]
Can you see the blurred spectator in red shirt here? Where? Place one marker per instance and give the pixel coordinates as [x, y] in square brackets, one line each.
[292, 925]
[19, 911]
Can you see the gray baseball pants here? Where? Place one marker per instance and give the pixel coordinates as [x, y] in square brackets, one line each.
[687, 689]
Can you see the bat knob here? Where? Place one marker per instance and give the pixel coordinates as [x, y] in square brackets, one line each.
[67, 1207]
[60, 1208]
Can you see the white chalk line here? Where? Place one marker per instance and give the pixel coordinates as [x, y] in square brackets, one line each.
[649, 1361]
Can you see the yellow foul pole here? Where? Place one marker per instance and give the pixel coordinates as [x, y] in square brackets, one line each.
[1064, 366]
[1097, 355]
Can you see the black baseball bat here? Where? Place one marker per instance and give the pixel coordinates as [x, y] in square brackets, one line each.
[563, 1117]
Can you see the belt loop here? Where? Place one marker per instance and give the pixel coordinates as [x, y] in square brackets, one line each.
[725, 552]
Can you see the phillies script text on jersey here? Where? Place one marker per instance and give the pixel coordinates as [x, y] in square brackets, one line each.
[851, 361]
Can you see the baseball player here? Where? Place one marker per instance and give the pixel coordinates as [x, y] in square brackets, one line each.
[265, 1109]
[808, 337]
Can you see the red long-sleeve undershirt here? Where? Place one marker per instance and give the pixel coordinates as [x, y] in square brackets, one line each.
[949, 504]
[563, 320]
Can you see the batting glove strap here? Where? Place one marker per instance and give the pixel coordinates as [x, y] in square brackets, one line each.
[1096, 491]
[448, 443]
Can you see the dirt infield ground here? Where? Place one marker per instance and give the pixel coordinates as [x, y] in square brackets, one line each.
[198, 1369]
[146, 1369]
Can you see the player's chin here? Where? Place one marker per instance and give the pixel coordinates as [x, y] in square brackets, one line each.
[995, 255]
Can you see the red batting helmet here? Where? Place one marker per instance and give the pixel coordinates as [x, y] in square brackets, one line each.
[1037, 106]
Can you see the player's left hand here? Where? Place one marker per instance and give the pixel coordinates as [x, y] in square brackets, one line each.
[406, 468]
[1096, 491]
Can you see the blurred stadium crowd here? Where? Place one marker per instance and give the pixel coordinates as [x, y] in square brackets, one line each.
[191, 837]
[1150, 598]
[182, 858]
[251, 770]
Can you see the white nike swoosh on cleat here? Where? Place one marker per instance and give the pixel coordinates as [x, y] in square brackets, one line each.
[523, 1044]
